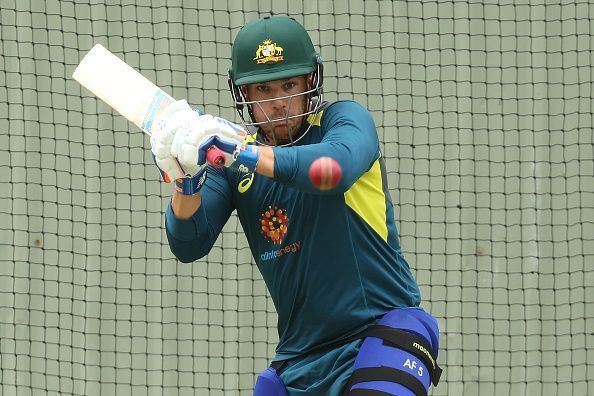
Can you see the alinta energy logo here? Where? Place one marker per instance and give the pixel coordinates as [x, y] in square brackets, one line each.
[273, 226]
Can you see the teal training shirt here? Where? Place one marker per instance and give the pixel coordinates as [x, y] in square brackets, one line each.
[331, 260]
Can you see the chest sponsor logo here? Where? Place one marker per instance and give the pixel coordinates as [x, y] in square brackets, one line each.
[273, 227]
[273, 224]
[274, 253]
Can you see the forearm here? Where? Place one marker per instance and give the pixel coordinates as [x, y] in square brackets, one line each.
[298, 169]
[292, 164]
[349, 137]
[188, 239]
[265, 161]
[184, 206]
[193, 222]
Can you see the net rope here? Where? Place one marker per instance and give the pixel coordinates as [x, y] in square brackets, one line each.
[485, 116]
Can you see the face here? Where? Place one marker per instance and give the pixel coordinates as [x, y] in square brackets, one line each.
[272, 113]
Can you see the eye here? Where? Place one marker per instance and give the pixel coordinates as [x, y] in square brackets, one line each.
[263, 88]
[290, 85]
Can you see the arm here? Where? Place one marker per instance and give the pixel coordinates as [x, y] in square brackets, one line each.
[181, 140]
[193, 222]
[190, 231]
[184, 206]
[265, 161]
[350, 138]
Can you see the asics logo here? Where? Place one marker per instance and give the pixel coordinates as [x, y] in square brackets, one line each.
[245, 183]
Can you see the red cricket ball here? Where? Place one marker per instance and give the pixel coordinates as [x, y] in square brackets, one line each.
[325, 173]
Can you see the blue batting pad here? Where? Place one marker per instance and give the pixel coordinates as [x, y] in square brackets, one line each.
[405, 373]
[269, 384]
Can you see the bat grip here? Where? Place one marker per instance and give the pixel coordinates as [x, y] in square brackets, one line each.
[215, 157]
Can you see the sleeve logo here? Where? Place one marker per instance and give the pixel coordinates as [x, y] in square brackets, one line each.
[245, 183]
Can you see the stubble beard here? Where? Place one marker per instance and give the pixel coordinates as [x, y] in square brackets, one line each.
[282, 134]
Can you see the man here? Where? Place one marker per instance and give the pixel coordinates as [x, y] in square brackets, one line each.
[347, 303]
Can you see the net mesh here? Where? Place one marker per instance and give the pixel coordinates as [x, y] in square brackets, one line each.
[484, 111]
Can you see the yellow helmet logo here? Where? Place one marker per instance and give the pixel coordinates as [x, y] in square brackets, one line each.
[268, 52]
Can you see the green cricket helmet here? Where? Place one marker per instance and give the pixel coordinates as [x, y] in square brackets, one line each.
[274, 48]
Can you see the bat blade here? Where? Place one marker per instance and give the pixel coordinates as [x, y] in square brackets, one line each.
[121, 87]
[127, 91]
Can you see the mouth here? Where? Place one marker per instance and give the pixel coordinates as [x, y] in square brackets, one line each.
[277, 134]
[279, 121]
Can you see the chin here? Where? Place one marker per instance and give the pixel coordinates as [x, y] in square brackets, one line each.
[279, 134]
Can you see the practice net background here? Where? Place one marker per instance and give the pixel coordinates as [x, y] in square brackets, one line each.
[485, 113]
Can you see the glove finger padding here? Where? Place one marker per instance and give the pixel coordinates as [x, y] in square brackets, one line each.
[168, 134]
[170, 166]
[194, 136]
[230, 132]
[166, 123]
[226, 136]
[160, 150]
[188, 155]
[181, 138]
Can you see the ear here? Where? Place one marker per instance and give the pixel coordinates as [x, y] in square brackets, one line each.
[244, 91]
[310, 79]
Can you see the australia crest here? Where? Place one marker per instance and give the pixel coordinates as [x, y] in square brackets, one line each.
[269, 52]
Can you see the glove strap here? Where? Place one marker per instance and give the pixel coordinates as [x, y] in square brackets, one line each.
[190, 185]
[246, 159]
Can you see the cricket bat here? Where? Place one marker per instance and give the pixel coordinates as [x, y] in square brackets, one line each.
[127, 91]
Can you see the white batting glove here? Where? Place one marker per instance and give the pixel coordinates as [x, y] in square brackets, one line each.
[175, 118]
[190, 144]
[230, 140]
[180, 138]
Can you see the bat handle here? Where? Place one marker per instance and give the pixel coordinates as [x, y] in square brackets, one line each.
[215, 157]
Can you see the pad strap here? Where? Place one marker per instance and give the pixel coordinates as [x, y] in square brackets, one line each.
[368, 392]
[409, 342]
[383, 373]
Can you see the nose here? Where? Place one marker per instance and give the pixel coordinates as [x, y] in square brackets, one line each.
[280, 104]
